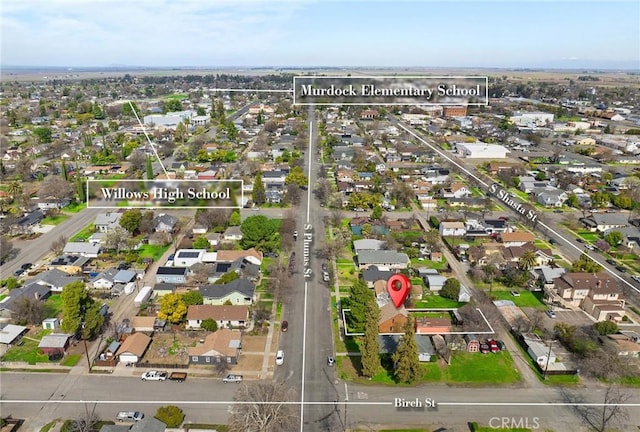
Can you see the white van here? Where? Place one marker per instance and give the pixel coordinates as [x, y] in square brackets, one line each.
[129, 416]
[280, 357]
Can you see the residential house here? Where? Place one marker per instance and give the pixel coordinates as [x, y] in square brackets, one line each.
[542, 354]
[552, 198]
[392, 319]
[389, 344]
[145, 324]
[516, 238]
[148, 424]
[70, 264]
[232, 233]
[54, 279]
[188, 257]
[55, 344]
[165, 223]
[457, 190]
[435, 282]
[214, 239]
[432, 325]
[32, 290]
[625, 343]
[85, 249]
[223, 315]
[630, 236]
[237, 292]
[222, 345]
[605, 302]
[162, 289]
[514, 253]
[253, 255]
[372, 274]
[382, 259]
[452, 229]
[10, 335]
[133, 348]
[110, 277]
[173, 275]
[368, 244]
[27, 223]
[602, 222]
[573, 288]
[106, 222]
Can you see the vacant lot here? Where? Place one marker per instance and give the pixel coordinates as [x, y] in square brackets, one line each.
[171, 348]
[525, 299]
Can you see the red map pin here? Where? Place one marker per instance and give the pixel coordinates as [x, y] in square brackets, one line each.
[398, 287]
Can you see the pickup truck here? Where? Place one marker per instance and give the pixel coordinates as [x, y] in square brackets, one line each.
[178, 376]
[154, 376]
[232, 379]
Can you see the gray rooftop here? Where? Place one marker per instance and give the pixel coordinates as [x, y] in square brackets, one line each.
[242, 286]
[382, 257]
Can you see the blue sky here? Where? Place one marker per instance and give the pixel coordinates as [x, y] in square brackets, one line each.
[602, 34]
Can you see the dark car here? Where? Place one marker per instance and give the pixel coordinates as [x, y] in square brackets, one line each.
[284, 326]
[580, 240]
[484, 348]
[621, 269]
[612, 262]
[26, 266]
[18, 272]
[552, 241]
[501, 345]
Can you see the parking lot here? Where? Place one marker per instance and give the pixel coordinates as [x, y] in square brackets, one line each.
[575, 318]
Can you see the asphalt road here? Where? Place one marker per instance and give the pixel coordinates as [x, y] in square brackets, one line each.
[204, 400]
[30, 251]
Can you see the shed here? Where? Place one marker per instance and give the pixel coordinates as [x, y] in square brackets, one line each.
[51, 323]
[55, 343]
[133, 348]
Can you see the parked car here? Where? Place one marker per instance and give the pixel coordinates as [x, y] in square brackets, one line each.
[501, 345]
[515, 293]
[551, 314]
[325, 276]
[580, 240]
[493, 346]
[232, 379]
[590, 247]
[129, 416]
[324, 267]
[611, 261]
[154, 376]
[26, 266]
[284, 326]
[484, 348]
[331, 361]
[280, 358]
[18, 272]
[621, 269]
[552, 241]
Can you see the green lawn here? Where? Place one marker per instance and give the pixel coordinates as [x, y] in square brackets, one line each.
[154, 252]
[345, 261]
[53, 305]
[525, 299]
[476, 428]
[430, 315]
[75, 207]
[55, 220]
[28, 350]
[71, 360]
[435, 301]
[3, 296]
[84, 233]
[476, 368]
[179, 96]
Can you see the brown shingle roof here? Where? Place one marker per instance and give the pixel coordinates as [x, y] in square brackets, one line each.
[220, 342]
[143, 321]
[518, 236]
[216, 312]
[232, 255]
[135, 344]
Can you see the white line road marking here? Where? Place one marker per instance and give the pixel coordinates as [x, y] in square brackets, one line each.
[361, 395]
[346, 393]
[153, 146]
[250, 90]
[309, 172]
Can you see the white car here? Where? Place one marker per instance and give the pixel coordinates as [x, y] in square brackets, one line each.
[280, 358]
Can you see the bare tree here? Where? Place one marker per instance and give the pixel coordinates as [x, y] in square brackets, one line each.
[221, 368]
[138, 160]
[55, 187]
[57, 246]
[85, 422]
[267, 413]
[604, 417]
[200, 272]
[118, 239]
[28, 310]
[6, 248]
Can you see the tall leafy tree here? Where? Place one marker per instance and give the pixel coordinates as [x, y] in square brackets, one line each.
[80, 312]
[172, 308]
[370, 344]
[149, 169]
[258, 195]
[258, 231]
[407, 369]
[130, 220]
[527, 260]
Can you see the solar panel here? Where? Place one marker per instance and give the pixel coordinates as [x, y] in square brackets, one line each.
[188, 254]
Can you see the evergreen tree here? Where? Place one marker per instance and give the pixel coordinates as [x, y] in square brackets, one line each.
[258, 195]
[359, 302]
[370, 345]
[407, 364]
[80, 188]
[149, 169]
[65, 175]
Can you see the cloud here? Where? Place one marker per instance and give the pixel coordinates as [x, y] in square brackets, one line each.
[75, 32]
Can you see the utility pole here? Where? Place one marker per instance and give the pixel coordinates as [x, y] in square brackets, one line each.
[86, 350]
[546, 367]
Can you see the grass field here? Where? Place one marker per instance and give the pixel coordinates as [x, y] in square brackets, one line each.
[75, 207]
[178, 96]
[476, 428]
[55, 220]
[476, 368]
[71, 360]
[525, 299]
[53, 305]
[154, 252]
[435, 301]
[84, 233]
[27, 351]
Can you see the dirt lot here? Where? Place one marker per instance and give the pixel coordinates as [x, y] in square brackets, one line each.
[253, 343]
[170, 349]
[248, 362]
